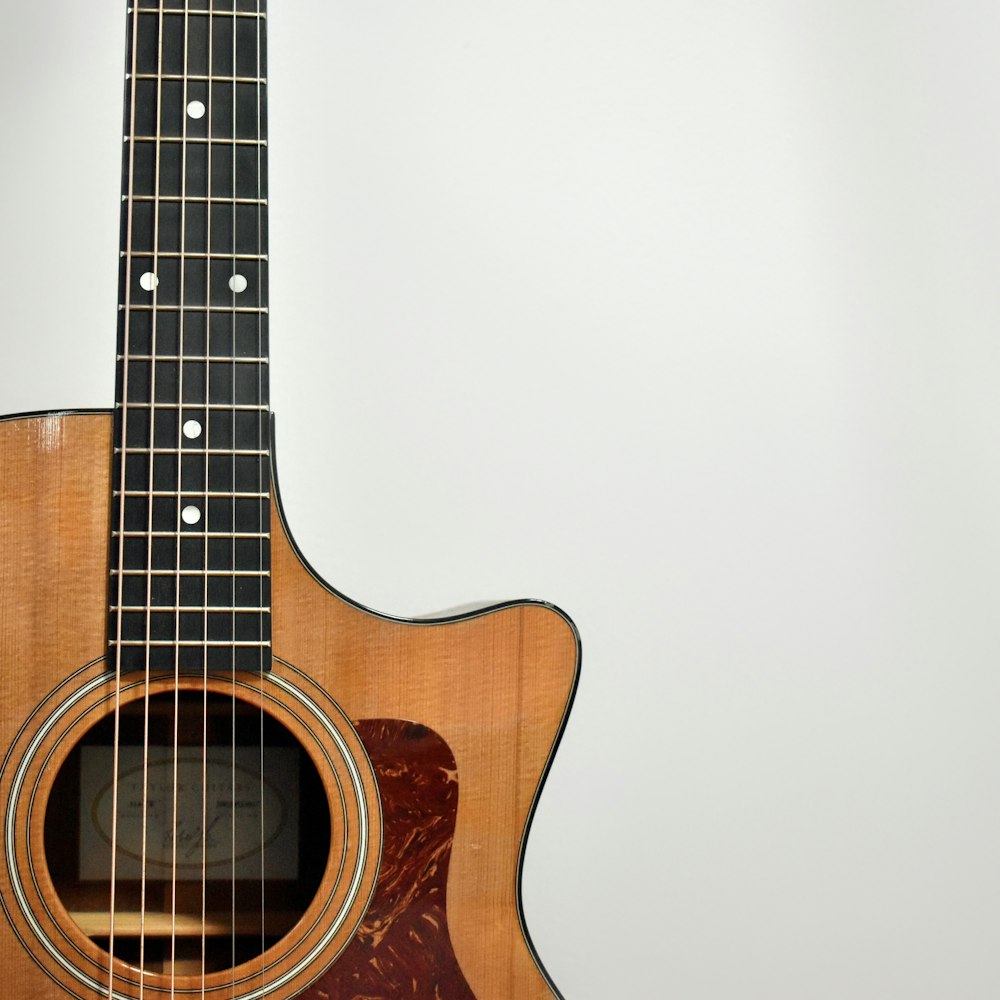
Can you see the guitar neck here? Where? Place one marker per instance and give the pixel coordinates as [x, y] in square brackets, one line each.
[190, 560]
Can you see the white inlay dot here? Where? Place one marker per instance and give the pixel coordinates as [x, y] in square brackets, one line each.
[190, 515]
[238, 283]
[149, 281]
[191, 428]
[196, 109]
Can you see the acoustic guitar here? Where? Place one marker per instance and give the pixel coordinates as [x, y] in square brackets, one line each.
[222, 778]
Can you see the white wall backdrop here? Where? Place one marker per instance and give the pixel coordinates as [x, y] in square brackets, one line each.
[684, 316]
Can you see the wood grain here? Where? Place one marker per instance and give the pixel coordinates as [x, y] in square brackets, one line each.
[494, 686]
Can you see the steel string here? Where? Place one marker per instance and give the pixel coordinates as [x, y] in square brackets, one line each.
[126, 351]
[232, 297]
[149, 510]
[208, 412]
[178, 506]
[262, 479]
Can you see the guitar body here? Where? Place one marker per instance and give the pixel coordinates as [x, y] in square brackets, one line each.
[459, 720]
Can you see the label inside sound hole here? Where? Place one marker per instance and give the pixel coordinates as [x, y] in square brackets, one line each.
[218, 832]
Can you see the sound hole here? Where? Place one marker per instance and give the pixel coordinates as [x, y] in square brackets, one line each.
[226, 872]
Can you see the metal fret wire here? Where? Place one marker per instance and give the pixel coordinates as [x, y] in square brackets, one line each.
[194, 609]
[196, 78]
[192, 643]
[174, 11]
[174, 493]
[210, 140]
[143, 307]
[182, 256]
[192, 406]
[192, 357]
[196, 572]
[187, 534]
[190, 451]
[196, 200]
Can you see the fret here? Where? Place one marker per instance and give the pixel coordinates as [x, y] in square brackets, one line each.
[194, 406]
[196, 140]
[193, 573]
[191, 200]
[181, 493]
[197, 78]
[185, 255]
[191, 642]
[198, 588]
[190, 530]
[141, 307]
[189, 451]
[183, 609]
[215, 12]
[202, 6]
[163, 619]
[200, 358]
[221, 428]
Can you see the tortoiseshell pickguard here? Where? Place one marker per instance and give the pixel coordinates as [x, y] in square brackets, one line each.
[402, 950]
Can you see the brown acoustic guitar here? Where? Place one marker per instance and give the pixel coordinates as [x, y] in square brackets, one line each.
[222, 779]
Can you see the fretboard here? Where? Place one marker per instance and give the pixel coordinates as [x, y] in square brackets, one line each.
[190, 554]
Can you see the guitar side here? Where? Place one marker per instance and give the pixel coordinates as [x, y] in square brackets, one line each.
[493, 688]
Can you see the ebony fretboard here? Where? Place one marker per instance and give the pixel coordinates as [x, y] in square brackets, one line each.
[190, 557]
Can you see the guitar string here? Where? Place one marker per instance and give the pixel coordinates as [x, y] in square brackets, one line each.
[126, 351]
[259, 75]
[179, 417]
[208, 415]
[149, 512]
[232, 297]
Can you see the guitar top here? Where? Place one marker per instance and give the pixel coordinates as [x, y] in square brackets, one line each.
[221, 777]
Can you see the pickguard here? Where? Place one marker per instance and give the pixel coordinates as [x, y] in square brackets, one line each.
[402, 948]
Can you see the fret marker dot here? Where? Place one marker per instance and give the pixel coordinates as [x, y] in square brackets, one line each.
[196, 109]
[191, 428]
[149, 281]
[190, 515]
[238, 283]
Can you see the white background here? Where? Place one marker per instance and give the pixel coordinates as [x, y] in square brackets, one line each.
[683, 316]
